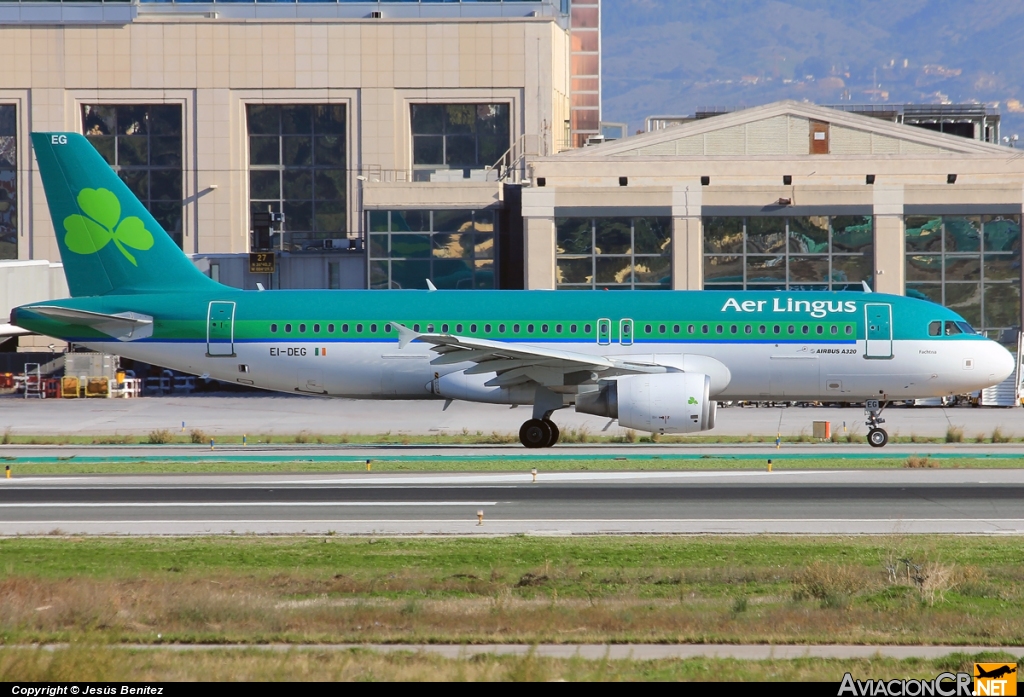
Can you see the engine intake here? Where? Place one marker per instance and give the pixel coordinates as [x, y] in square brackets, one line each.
[661, 403]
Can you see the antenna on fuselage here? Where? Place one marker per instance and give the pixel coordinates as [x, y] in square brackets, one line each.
[430, 286]
[867, 288]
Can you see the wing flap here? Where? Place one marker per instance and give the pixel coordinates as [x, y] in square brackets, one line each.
[516, 364]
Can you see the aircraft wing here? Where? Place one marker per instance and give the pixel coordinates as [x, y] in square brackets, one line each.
[515, 364]
[124, 326]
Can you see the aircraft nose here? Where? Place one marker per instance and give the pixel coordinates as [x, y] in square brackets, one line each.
[999, 362]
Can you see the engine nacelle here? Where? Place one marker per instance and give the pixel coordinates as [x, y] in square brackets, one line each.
[659, 403]
[471, 388]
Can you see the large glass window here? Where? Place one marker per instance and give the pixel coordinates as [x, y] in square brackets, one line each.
[452, 140]
[143, 144]
[8, 183]
[455, 249]
[798, 253]
[614, 253]
[297, 161]
[970, 264]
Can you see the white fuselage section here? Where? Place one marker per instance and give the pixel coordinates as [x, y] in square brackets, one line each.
[763, 371]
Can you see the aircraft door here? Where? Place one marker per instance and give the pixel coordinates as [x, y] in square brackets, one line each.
[878, 322]
[626, 332]
[220, 329]
[604, 332]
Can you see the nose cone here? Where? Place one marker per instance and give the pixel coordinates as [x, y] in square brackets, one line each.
[999, 363]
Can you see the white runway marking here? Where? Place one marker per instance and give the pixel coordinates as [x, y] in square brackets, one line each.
[247, 504]
[438, 521]
[545, 477]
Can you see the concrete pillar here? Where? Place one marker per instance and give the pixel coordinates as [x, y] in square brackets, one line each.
[890, 245]
[539, 253]
[687, 254]
[539, 238]
[687, 237]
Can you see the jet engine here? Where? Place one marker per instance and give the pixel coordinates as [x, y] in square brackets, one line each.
[659, 403]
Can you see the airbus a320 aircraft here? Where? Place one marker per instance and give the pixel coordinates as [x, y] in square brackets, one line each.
[655, 361]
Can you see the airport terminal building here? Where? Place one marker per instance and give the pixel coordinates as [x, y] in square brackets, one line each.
[320, 111]
[412, 140]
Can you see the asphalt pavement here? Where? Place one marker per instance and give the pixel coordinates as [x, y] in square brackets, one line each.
[259, 415]
[798, 502]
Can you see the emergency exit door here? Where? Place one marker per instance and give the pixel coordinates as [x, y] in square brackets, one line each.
[878, 322]
[626, 332]
[220, 329]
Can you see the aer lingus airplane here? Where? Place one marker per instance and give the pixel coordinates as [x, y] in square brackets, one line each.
[654, 361]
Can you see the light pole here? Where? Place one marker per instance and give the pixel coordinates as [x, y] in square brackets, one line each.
[362, 214]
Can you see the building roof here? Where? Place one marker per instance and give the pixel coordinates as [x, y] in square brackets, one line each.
[783, 128]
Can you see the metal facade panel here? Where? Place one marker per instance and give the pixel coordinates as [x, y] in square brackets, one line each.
[849, 141]
[768, 137]
[884, 145]
[909, 147]
[799, 135]
[728, 141]
[694, 145]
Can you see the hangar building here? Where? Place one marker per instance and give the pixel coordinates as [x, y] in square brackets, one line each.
[785, 196]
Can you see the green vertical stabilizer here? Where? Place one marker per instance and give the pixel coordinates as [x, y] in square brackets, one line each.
[108, 241]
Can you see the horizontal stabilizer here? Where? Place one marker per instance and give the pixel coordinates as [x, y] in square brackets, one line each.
[7, 329]
[123, 326]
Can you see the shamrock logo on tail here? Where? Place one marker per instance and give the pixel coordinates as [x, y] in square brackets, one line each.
[89, 233]
[692, 401]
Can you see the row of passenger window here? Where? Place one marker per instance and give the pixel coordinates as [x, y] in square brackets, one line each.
[574, 328]
[330, 328]
[445, 328]
[749, 329]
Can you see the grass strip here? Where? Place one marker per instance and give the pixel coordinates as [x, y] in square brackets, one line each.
[108, 664]
[936, 590]
[21, 467]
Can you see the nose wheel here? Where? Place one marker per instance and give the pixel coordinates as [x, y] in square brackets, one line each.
[877, 437]
[538, 433]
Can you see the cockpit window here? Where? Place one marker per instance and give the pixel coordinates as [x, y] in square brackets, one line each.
[966, 328]
[952, 329]
[935, 328]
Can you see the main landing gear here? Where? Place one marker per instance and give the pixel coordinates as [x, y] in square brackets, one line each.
[538, 433]
[877, 437]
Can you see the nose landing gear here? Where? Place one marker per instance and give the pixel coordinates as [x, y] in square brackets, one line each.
[538, 433]
[877, 437]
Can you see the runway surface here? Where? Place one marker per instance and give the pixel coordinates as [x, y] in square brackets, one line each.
[256, 414]
[800, 502]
